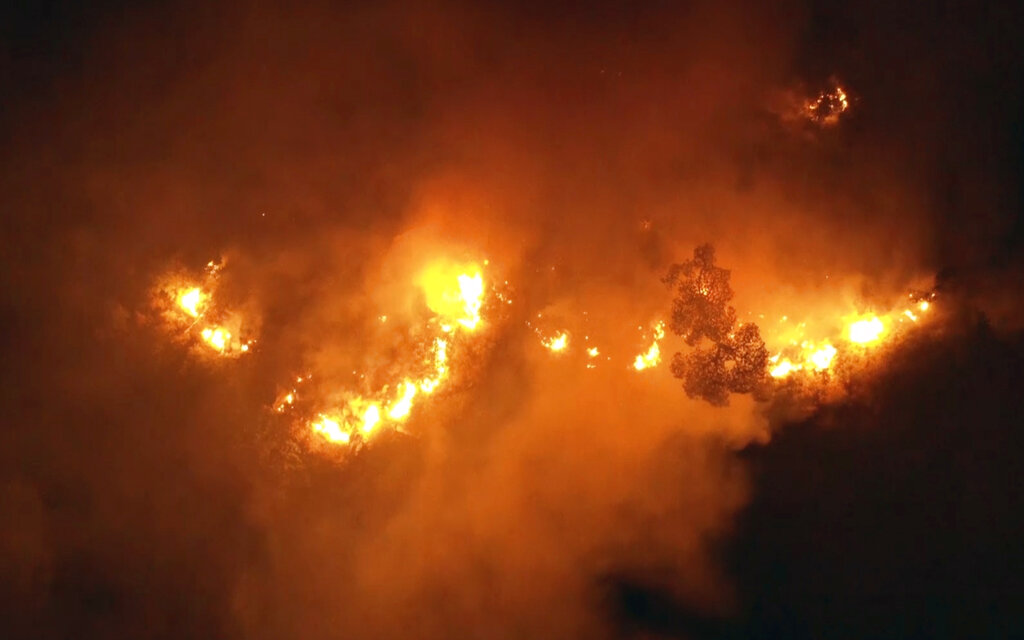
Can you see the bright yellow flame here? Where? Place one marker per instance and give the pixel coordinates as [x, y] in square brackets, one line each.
[371, 417]
[923, 305]
[454, 292]
[471, 289]
[556, 343]
[866, 331]
[427, 385]
[593, 352]
[783, 369]
[330, 429]
[190, 301]
[822, 358]
[216, 337]
[652, 356]
[403, 405]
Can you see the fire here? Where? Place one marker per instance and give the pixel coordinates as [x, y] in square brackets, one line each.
[826, 109]
[858, 330]
[192, 307]
[400, 409]
[454, 292]
[812, 357]
[652, 356]
[330, 429]
[217, 337]
[866, 330]
[556, 343]
[471, 290]
[371, 418]
[427, 385]
[822, 358]
[190, 300]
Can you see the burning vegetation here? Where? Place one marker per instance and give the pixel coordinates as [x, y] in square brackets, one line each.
[718, 357]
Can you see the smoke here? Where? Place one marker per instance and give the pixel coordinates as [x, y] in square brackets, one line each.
[326, 154]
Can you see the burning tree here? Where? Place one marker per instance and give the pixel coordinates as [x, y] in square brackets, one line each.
[727, 358]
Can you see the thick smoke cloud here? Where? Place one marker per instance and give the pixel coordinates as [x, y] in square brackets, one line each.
[326, 152]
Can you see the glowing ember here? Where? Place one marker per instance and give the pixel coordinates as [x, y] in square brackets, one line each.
[826, 109]
[191, 307]
[556, 343]
[593, 352]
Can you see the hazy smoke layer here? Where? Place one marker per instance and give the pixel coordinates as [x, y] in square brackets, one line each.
[326, 152]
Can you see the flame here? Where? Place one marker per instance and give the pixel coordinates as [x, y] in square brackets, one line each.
[217, 337]
[828, 106]
[652, 356]
[371, 418]
[403, 405]
[556, 343]
[866, 330]
[454, 292]
[593, 352]
[190, 300]
[330, 429]
[192, 307]
[427, 385]
[822, 358]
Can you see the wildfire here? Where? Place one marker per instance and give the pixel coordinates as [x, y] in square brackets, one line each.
[455, 295]
[194, 308]
[828, 106]
[858, 331]
[866, 330]
[460, 304]
[190, 300]
[652, 356]
[556, 343]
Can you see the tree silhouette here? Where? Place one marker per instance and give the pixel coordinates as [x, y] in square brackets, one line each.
[727, 358]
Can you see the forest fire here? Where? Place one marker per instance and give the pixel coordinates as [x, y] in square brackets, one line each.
[191, 306]
[652, 356]
[455, 295]
[726, 356]
[539, 320]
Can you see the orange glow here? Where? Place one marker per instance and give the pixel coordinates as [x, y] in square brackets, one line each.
[866, 330]
[652, 356]
[454, 292]
[403, 405]
[556, 343]
[190, 300]
[191, 307]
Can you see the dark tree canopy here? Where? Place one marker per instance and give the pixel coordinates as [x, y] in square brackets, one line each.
[701, 307]
[735, 359]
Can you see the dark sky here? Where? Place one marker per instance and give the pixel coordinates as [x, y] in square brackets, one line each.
[146, 494]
